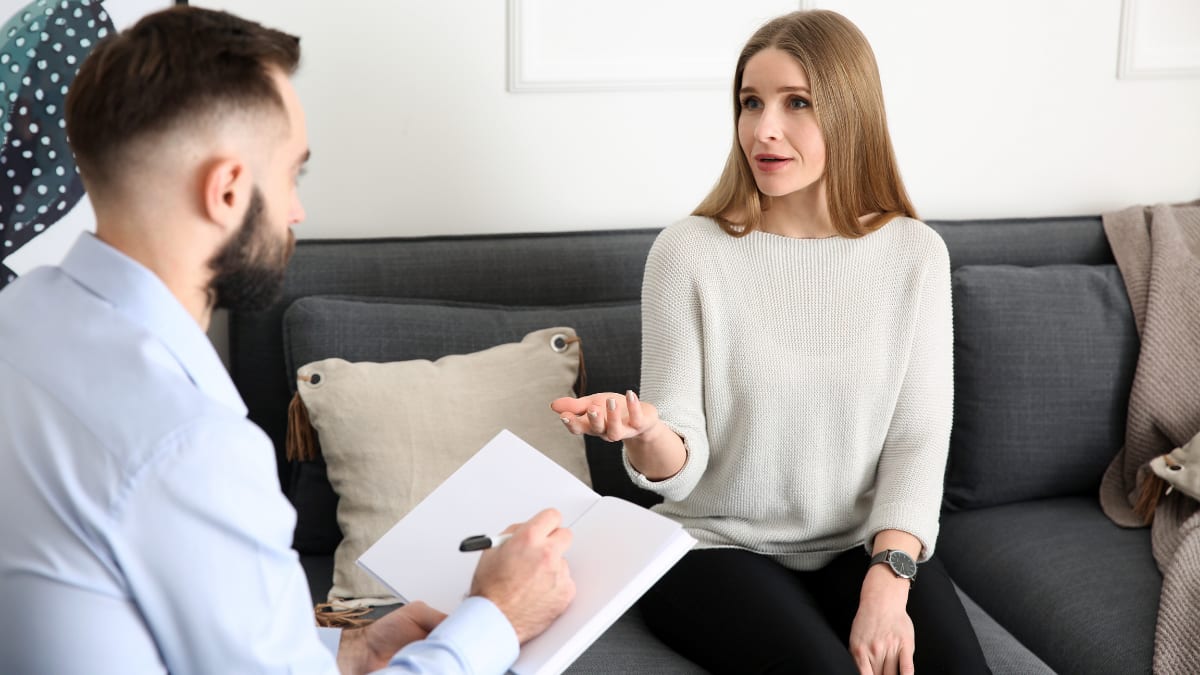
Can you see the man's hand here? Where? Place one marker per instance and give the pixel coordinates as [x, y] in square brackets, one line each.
[365, 650]
[527, 577]
[881, 637]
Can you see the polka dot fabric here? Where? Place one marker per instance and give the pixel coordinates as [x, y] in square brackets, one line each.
[41, 47]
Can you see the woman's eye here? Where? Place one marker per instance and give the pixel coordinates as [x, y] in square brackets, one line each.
[797, 103]
[751, 103]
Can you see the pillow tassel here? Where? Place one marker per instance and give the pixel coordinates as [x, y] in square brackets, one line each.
[1152, 489]
[330, 617]
[301, 443]
[581, 380]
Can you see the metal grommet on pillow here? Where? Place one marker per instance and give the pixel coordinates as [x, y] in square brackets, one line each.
[559, 342]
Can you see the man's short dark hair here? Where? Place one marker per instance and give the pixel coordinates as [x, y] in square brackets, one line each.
[178, 65]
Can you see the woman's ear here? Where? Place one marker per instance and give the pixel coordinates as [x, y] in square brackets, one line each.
[227, 189]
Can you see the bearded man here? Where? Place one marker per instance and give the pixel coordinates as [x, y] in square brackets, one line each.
[141, 521]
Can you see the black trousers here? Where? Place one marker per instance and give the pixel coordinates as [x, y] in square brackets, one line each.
[733, 611]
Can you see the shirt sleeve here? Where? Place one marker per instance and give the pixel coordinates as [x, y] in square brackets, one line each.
[207, 554]
[204, 545]
[475, 638]
[672, 359]
[912, 464]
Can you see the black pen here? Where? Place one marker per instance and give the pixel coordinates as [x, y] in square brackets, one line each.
[482, 542]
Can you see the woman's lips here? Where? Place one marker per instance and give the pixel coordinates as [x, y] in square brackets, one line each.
[769, 162]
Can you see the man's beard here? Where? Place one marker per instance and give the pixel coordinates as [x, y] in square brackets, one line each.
[249, 268]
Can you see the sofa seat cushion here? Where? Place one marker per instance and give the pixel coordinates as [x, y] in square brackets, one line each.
[1076, 589]
[628, 646]
[1043, 363]
[1005, 655]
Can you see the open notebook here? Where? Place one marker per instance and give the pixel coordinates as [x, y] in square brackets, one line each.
[618, 550]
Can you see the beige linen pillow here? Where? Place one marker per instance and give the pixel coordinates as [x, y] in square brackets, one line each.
[392, 432]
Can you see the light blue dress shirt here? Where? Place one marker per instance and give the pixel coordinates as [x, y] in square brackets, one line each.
[142, 528]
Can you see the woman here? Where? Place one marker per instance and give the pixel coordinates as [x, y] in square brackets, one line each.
[797, 350]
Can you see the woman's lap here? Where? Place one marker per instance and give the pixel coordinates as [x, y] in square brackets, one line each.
[731, 610]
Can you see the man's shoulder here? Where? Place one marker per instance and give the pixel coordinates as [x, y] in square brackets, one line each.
[86, 367]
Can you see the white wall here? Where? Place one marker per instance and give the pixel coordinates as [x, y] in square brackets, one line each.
[997, 109]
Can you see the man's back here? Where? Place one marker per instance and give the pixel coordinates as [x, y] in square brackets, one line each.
[130, 474]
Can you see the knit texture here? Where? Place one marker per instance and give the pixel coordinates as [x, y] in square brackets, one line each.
[1158, 252]
[811, 381]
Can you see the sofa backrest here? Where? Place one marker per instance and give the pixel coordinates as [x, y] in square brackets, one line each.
[557, 271]
[569, 272]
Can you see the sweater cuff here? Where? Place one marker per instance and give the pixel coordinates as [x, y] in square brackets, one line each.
[672, 489]
[899, 518]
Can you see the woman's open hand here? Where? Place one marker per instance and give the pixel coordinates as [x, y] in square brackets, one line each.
[610, 416]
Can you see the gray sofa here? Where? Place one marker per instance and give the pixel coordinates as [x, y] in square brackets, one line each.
[1045, 348]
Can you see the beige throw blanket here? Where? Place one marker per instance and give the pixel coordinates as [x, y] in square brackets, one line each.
[1158, 252]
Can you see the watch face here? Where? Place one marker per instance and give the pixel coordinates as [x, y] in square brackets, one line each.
[902, 564]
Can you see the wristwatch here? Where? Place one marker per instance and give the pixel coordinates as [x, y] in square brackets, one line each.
[901, 563]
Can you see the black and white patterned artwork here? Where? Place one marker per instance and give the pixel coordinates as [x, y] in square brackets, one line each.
[43, 207]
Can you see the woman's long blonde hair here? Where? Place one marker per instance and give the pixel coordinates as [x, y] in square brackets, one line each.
[861, 176]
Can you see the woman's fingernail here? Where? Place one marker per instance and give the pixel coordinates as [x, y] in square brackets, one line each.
[632, 396]
[612, 404]
[593, 414]
[565, 420]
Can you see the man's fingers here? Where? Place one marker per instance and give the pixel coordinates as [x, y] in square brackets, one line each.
[544, 522]
[560, 540]
[424, 616]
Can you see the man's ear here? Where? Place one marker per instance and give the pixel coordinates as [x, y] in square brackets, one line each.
[227, 188]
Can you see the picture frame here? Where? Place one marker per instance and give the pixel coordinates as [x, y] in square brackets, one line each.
[664, 45]
[1158, 40]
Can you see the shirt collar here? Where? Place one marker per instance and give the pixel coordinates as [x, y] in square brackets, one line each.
[139, 295]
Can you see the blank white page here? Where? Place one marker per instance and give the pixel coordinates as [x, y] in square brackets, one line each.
[506, 482]
[619, 550]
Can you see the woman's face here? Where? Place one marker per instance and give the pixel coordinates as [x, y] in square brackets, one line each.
[777, 127]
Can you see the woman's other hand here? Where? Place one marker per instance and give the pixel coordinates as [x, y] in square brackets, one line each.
[882, 638]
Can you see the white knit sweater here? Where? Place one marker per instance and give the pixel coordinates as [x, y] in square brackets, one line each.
[811, 380]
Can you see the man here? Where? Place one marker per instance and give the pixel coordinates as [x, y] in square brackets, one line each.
[140, 518]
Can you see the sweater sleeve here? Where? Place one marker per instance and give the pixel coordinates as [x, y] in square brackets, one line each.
[672, 358]
[912, 465]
